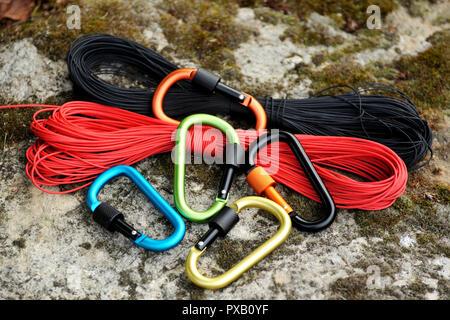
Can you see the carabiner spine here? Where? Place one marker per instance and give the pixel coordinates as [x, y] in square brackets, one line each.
[163, 87]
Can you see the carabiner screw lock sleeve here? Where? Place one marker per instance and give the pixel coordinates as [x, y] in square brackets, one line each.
[211, 83]
[219, 226]
[113, 220]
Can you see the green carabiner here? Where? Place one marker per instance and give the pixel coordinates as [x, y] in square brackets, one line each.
[234, 156]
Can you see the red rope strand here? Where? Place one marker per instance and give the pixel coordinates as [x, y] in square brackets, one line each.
[80, 140]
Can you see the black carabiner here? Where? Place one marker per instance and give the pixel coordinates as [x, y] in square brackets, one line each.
[263, 183]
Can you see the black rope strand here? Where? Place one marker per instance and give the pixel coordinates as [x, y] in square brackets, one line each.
[373, 111]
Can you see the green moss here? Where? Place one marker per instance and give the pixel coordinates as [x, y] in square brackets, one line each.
[421, 205]
[15, 125]
[268, 15]
[424, 78]
[421, 209]
[204, 30]
[350, 12]
[369, 223]
[440, 20]
[309, 37]
[351, 288]
[369, 39]
[125, 280]
[427, 219]
[162, 165]
[259, 89]
[414, 7]
[403, 204]
[360, 44]
[389, 249]
[431, 244]
[295, 239]
[249, 3]
[59, 283]
[185, 287]
[204, 174]
[305, 207]
[444, 289]
[388, 73]
[379, 223]
[443, 193]
[319, 58]
[20, 243]
[3, 216]
[15, 122]
[424, 239]
[357, 46]
[86, 245]
[346, 72]
[426, 205]
[364, 39]
[416, 290]
[49, 33]
[230, 252]
[391, 238]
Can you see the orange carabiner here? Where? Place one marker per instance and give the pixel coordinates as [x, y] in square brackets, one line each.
[211, 83]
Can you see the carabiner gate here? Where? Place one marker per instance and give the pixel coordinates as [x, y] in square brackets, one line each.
[211, 83]
[219, 227]
[113, 220]
[263, 184]
[234, 157]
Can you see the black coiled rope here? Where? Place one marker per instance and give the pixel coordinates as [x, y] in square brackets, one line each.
[373, 111]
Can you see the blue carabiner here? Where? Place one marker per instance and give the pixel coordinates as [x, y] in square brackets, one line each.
[113, 220]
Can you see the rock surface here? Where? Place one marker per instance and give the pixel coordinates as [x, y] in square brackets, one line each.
[51, 248]
[25, 74]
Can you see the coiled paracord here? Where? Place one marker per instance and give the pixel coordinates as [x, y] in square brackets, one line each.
[79, 140]
[391, 119]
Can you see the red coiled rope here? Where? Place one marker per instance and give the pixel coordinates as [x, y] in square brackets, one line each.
[80, 140]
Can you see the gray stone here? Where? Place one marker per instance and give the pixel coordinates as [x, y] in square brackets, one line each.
[25, 74]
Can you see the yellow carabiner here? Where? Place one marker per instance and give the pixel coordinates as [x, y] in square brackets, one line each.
[223, 222]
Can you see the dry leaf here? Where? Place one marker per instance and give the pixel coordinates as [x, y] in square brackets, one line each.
[351, 25]
[16, 9]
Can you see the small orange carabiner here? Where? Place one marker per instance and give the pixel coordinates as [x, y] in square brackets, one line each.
[210, 82]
